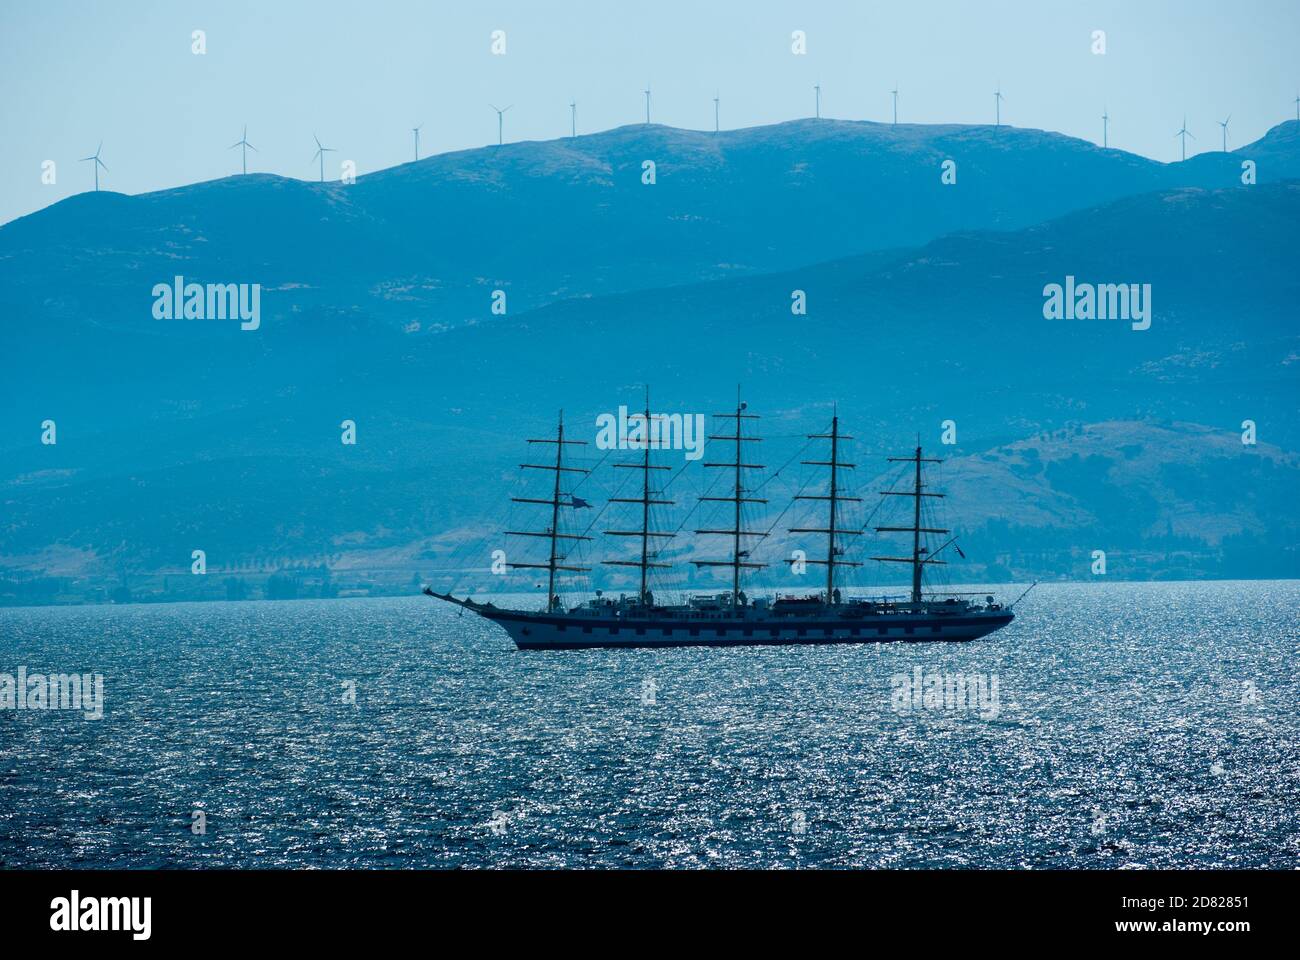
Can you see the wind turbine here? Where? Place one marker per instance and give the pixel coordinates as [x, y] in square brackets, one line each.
[1297, 108]
[895, 93]
[501, 112]
[321, 150]
[1224, 123]
[1184, 133]
[243, 142]
[817, 90]
[416, 131]
[997, 103]
[573, 118]
[715, 112]
[647, 104]
[1105, 127]
[98, 163]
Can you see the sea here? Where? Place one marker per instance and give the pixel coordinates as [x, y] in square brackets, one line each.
[1117, 726]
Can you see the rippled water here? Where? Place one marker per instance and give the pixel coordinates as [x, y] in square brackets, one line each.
[1138, 726]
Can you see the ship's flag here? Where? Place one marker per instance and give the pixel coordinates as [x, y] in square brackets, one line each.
[578, 503]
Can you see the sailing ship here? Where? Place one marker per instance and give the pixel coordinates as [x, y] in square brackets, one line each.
[829, 615]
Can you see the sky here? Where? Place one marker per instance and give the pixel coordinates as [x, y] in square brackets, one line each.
[360, 75]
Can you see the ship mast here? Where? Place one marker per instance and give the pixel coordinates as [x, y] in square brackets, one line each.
[553, 534]
[833, 498]
[920, 554]
[738, 559]
[647, 499]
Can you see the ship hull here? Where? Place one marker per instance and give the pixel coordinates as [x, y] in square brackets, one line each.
[543, 632]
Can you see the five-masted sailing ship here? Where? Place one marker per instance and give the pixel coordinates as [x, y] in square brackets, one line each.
[733, 618]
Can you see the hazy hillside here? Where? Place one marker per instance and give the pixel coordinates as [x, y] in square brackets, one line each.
[180, 435]
[956, 328]
[425, 243]
[1161, 499]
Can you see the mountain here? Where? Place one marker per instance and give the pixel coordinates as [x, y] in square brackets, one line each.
[1161, 500]
[426, 242]
[178, 435]
[1170, 500]
[1276, 156]
[956, 327]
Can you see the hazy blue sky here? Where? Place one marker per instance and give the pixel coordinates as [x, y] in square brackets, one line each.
[361, 74]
